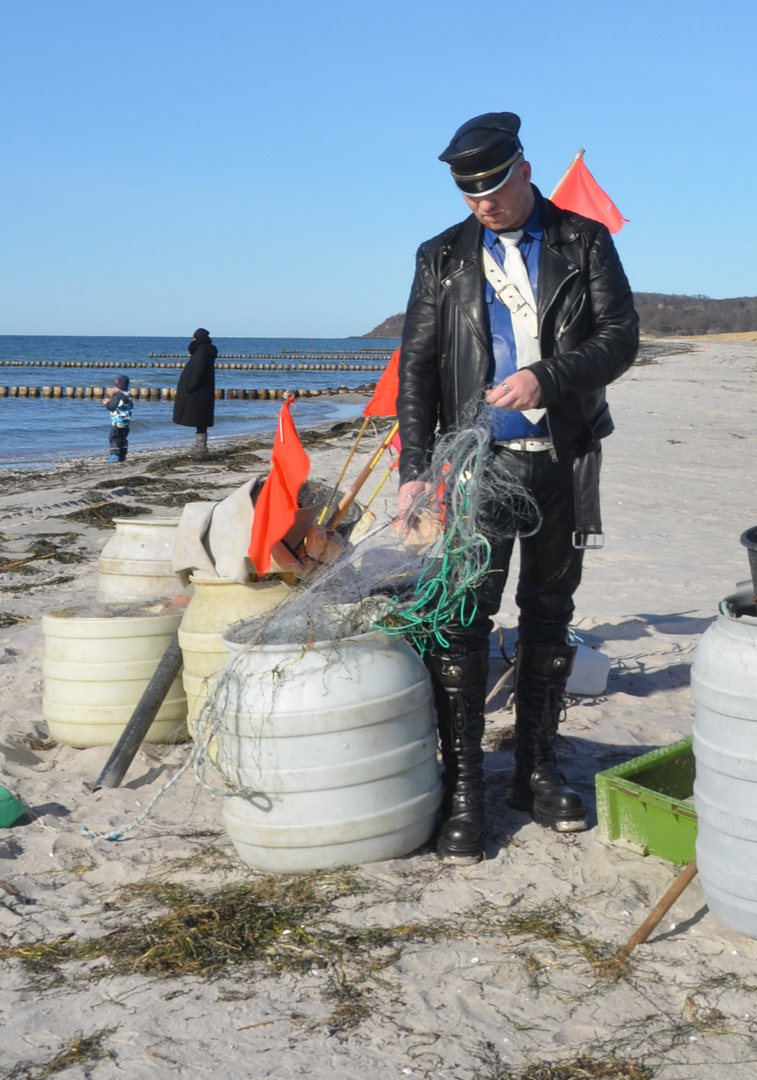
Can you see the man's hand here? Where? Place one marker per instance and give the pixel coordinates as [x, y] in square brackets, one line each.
[407, 495]
[519, 391]
[416, 530]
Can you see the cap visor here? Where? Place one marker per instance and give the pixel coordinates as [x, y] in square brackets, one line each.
[486, 186]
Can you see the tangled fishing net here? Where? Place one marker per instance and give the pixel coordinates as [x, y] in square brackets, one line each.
[413, 590]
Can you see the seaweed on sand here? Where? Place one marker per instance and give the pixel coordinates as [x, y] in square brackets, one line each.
[583, 1067]
[44, 546]
[173, 498]
[284, 924]
[80, 1051]
[142, 481]
[295, 924]
[102, 514]
[175, 929]
[7, 618]
[61, 579]
[288, 922]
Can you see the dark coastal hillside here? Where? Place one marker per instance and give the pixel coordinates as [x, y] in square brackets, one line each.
[660, 314]
[389, 328]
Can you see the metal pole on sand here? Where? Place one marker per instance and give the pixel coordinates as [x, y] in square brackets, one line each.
[144, 713]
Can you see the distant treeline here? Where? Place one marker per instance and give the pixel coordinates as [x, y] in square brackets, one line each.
[668, 316]
[678, 315]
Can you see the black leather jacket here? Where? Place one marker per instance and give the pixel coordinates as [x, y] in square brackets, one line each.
[588, 331]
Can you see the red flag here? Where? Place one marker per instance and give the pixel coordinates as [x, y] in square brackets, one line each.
[384, 400]
[276, 505]
[579, 191]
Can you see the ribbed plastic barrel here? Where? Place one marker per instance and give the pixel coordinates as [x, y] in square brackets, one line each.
[335, 745]
[135, 564]
[217, 604]
[724, 685]
[95, 671]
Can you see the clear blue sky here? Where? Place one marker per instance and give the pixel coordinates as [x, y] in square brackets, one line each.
[270, 169]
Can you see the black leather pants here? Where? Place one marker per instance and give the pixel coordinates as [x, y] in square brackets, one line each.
[550, 567]
[550, 572]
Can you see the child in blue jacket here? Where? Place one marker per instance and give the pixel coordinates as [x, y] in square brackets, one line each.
[120, 405]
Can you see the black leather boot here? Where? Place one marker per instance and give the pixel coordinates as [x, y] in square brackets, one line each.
[538, 786]
[459, 684]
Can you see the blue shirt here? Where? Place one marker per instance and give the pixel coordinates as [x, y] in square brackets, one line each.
[507, 424]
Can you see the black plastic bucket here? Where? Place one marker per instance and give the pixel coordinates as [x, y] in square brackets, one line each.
[749, 540]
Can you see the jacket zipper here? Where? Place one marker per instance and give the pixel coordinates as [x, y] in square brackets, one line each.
[572, 271]
[568, 317]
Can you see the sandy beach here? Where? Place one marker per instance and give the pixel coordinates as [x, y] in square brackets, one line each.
[501, 971]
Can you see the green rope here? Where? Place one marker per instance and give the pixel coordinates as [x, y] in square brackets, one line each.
[444, 592]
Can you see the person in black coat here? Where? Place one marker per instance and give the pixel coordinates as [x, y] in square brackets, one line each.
[195, 394]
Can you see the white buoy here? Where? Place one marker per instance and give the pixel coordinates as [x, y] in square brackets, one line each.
[334, 744]
[724, 685]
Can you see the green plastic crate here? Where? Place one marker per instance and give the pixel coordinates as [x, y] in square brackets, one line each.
[641, 803]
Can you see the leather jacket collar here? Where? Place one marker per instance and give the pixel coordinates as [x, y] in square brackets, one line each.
[555, 267]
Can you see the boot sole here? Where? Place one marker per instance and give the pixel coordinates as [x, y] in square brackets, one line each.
[461, 856]
[547, 821]
[561, 825]
[459, 859]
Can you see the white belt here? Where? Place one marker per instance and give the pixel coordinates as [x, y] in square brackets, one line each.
[529, 445]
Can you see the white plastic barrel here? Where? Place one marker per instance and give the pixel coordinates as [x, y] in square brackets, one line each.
[724, 685]
[335, 745]
[591, 669]
[135, 564]
[97, 668]
[217, 603]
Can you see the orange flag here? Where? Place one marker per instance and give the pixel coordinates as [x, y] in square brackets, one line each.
[579, 191]
[276, 505]
[384, 400]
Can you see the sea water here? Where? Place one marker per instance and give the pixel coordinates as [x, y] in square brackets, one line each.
[36, 432]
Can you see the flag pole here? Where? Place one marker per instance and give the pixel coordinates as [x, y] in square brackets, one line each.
[347, 500]
[556, 188]
[381, 482]
[350, 456]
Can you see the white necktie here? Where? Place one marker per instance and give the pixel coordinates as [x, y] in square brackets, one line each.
[525, 325]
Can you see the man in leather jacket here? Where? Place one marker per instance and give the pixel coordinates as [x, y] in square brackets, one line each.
[525, 307]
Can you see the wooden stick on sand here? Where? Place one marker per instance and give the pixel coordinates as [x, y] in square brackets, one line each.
[661, 907]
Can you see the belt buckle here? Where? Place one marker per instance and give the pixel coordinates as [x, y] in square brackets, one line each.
[585, 541]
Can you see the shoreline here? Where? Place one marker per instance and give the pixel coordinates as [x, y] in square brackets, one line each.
[217, 446]
[354, 399]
